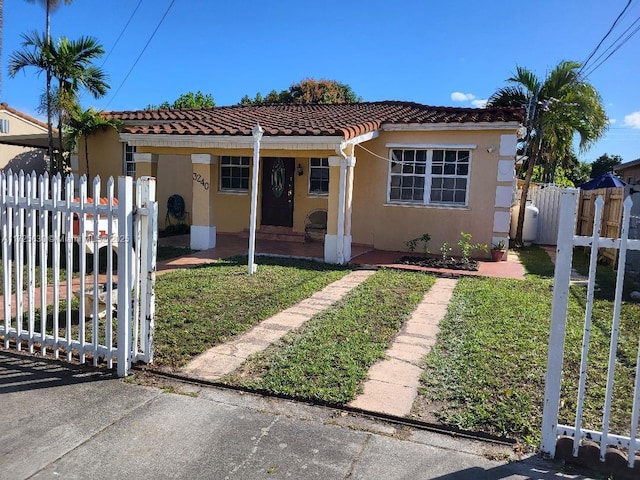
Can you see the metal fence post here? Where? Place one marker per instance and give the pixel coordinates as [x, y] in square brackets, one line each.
[125, 232]
[562, 277]
[147, 252]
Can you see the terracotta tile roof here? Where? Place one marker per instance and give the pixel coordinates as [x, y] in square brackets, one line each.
[24, 116]
[345, 120]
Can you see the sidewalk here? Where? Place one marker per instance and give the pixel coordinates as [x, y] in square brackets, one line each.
[63, 421]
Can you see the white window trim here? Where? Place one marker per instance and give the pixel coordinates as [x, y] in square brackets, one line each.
[316, 194]
[426, 198]
[233, 191]
[132, 162]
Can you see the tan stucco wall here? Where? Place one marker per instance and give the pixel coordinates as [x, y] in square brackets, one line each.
[374, 222]
[21, 158]
[231, 210]
[173, 177]
[105, 156]
[388, 226]
[630, 174]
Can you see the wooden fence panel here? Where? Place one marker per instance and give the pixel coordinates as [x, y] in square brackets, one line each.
[611, 216]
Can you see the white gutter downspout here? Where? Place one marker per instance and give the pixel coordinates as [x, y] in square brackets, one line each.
[342, 199]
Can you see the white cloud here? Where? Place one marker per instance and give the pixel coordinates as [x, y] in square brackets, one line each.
[462, 97]
[612, 121]
[632, 120]
[480, 102]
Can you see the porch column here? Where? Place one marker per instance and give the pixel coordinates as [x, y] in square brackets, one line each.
[203, 228]
[337, 242]
[146, 164]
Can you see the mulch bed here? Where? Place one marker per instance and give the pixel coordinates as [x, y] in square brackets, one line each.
[438, 262]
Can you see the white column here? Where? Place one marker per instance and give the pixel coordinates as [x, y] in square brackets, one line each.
[257, 133]
[337, 246]
[203, 228]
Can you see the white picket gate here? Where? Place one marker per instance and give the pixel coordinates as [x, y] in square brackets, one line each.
[551, 430]
[41, 220]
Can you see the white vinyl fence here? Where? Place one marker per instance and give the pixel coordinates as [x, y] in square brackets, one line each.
[64, 309]
[547, 199]
[551, 430]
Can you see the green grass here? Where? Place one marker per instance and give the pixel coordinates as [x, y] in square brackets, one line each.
[488, 366]
[328, 358]
[199, 308]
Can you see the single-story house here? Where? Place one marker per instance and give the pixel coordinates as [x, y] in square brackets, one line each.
[17, 132]
[384, 172]
[629, 172]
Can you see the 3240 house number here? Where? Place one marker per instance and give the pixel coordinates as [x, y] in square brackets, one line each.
[198, 178]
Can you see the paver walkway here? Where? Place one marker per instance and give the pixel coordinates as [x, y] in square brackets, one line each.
[393, 383]
[225, 358]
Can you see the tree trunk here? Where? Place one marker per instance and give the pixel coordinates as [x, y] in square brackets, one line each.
[525, 192]
[48, 94]
[86, 154]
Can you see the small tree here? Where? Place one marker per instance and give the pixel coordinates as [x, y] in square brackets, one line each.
[307, 91]
[84, 123]
[604, 164]
[187, 100]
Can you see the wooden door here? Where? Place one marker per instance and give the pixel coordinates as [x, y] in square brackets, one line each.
[277, 191]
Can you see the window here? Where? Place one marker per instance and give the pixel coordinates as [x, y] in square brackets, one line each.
[4, 126]
[234, 173]
[319, 176]
[129, 161]
[429, 177]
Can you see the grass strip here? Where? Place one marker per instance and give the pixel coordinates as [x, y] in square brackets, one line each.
[328, 358]
[487, 369]
[199, 308]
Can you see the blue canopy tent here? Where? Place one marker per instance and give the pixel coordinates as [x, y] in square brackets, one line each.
[607, 180]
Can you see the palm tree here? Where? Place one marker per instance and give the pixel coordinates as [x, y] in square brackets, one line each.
[68, 61]
[50, 7]
[71, 66]
[557, 107]
[84, 123]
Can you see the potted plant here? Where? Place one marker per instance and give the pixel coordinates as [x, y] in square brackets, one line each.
[498, 251]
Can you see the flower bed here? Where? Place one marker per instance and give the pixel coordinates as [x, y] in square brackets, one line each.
[438, 262]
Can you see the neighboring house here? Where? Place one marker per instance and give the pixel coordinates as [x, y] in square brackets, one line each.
[17, 155]
[385, 172]
[629, 171]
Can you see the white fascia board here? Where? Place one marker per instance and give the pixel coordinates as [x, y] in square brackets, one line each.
[365, 137]
[231, 141]
[425, 127]
[456, 146]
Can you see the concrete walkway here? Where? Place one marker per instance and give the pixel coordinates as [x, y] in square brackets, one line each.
[393, 383]
[225, 358]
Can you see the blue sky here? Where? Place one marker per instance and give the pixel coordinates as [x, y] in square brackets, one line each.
[454, 53]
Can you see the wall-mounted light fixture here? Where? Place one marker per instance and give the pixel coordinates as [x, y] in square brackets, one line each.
[491, 149]
[300, 170]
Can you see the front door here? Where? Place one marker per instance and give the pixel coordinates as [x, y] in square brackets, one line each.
[277, 191]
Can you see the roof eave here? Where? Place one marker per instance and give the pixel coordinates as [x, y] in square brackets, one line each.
[280, 142]
[423, 127]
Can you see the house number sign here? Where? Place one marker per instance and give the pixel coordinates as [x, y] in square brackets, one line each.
[200, 179]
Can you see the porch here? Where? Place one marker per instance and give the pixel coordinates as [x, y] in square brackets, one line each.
[233, 245]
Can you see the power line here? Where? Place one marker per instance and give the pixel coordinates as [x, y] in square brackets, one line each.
[625, 40]
[141, 53]
[593, 52]
[121, 33]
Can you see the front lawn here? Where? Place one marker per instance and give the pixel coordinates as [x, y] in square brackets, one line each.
[328, 358]
[201, 307]
[487, 370]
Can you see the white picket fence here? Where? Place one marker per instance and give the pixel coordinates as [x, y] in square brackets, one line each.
[62, 309]
[551, 430]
